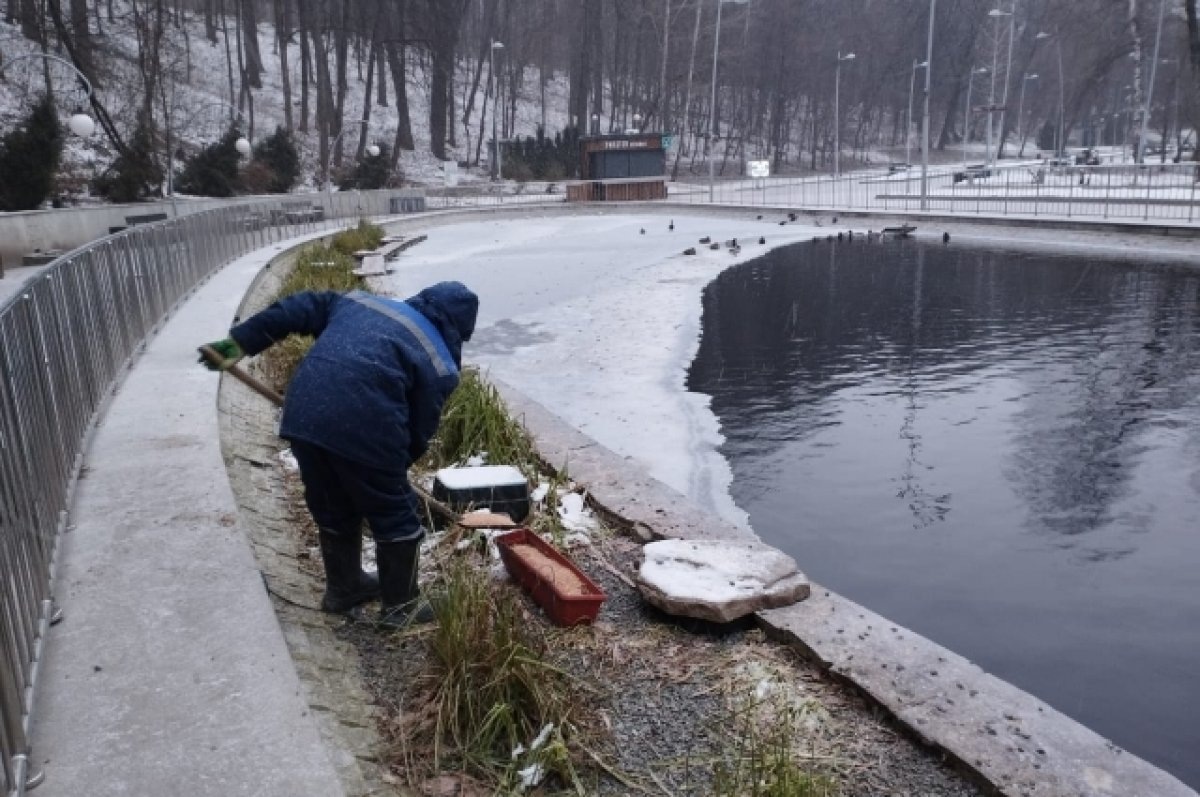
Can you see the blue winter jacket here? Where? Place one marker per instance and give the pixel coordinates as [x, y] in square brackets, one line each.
[372, 387]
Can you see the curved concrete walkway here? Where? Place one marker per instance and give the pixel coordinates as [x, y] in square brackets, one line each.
[169, 674]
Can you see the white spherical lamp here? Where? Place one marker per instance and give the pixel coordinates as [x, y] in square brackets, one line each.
[242, 146]
[373, 150]
[81, 125]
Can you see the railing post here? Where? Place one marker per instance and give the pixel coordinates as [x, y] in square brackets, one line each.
[1107, 190]
[1149, 180]
[1192, 201]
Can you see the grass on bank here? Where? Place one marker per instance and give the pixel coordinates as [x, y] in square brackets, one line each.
[490, 704]
[761, 759]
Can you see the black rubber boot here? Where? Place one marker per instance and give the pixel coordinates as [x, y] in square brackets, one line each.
[346, 585]
[401, 604]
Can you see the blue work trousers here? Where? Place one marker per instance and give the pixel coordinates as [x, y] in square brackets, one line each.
[341, 494]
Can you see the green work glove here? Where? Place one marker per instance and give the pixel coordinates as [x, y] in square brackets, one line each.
[228, 350]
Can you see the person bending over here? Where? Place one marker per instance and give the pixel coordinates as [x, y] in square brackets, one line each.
[362, 407]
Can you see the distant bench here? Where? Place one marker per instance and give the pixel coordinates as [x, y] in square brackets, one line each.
[297, 213]
[145, 218]
[133, 221]
[374, 261]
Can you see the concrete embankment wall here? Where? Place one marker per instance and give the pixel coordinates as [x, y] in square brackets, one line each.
[65, 229]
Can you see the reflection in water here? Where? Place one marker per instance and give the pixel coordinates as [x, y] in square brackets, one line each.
[999, 450]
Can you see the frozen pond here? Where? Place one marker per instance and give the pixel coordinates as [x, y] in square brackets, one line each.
[999, 450]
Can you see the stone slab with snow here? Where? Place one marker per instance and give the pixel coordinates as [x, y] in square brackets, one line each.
[718, 580]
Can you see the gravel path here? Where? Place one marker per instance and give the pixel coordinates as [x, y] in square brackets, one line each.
[674, 699]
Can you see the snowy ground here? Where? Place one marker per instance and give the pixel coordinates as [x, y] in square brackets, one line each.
[599, 323]
[202, 90]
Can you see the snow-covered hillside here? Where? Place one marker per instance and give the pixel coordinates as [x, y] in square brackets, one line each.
[196, 71]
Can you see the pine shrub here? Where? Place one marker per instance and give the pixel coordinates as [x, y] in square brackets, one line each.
[134, 175]
[213, 171]
[370, 172]
[29, 158]
[277, 153]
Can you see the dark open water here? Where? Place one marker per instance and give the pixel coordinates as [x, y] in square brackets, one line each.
[999, 450]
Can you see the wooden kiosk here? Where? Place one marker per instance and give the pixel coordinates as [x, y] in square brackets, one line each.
[621, 167]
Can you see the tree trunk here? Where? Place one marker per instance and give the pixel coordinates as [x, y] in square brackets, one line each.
[341, 41]
[663, 101]
[210, 20]
[595, 41]
[31, 21]
[302, 15]
[249, 23]
[687, 94]
[228, 54]
[82, 37]
[1135, 33]
[444, 17]
[1192, 8]
[396, 55]
[364, 129]
[381, 67]
[283, 31]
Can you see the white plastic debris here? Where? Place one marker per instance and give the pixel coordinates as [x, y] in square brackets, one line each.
[530, 776]
[288, 460]
[539, 494]
[575, 515]
[477, 460]
[542, 736]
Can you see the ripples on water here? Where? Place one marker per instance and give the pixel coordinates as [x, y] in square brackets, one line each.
[999, 450]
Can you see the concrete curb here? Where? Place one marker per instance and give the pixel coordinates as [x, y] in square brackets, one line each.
[327, 665]
[1004, 736]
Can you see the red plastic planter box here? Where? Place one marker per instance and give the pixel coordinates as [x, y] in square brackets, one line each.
[566, 594]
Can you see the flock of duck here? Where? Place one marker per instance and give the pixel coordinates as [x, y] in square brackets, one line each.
[735, 248]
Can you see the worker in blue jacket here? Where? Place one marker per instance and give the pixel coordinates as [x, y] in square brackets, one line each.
[362, 407]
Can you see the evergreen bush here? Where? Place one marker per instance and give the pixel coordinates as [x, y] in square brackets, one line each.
[133, 176]
[541, 158]
[213, 171]
[29, 157]
[277, 153]
[370, 172]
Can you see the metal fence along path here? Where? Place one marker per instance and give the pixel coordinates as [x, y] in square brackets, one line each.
[65, 339]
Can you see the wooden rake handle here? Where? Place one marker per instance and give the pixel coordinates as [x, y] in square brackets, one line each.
[254, 384]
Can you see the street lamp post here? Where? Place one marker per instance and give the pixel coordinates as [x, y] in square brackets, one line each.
[995, 14]
[498, 172]
[1021, 111]
[912, 83]
[1141, 158]
[983, 70]
[925, 120]
[837, 119]
[80, 123]
[1060, 143]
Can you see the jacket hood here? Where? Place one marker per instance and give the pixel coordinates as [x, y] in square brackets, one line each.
[451, 307]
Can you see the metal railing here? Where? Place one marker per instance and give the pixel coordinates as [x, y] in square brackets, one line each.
[65, 339]
[1136, 192]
